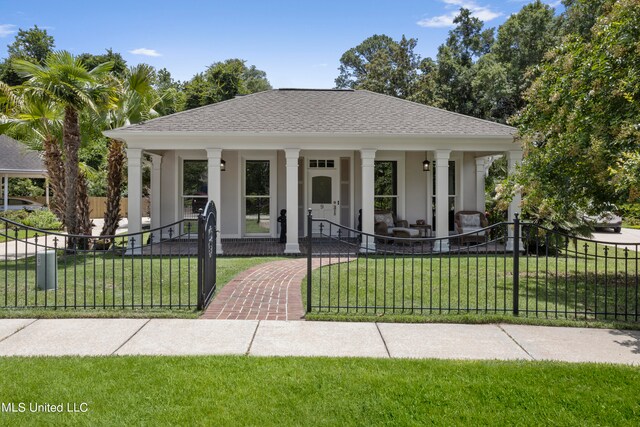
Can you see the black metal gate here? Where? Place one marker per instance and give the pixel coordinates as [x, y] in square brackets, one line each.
[207, 236]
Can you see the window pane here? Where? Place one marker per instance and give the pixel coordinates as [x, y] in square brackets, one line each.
[192, 206]
[257, 178]
[452, 178]
[386, 204]
[386, 178]
[321, 189]
[257, 219]
[194, 182]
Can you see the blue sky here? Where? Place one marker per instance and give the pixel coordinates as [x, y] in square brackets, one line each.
[298, 43]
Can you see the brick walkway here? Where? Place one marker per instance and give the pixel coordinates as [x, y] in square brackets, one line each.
[269, 291]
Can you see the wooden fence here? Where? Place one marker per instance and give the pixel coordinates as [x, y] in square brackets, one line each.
[97, 205]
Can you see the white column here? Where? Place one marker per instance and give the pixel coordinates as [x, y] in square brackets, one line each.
[214, 156]
[156, 193]
[292, 155]
[46, 191]
[441, 158]
[513, 159]
[480, 190]
[134, 198]
[6, 192]
[368, 157]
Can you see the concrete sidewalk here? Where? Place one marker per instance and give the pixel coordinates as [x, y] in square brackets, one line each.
[99, 337]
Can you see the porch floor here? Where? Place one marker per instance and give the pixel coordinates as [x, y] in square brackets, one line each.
[320, 246]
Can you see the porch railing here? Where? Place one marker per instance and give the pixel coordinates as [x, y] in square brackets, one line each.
[154, 269]
[510, 268]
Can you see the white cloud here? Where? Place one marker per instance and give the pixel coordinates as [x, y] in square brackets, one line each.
[7, 29]
[484, 13]
[145, 52]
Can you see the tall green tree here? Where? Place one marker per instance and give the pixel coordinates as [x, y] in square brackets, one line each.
[119, 64]
[38, 122]
[456, 60]
[170, 93]
[135, 100]
[32, 45]
[224, 80]
[580, 126]
[65, 81]
[580, 16]
[380, 64]
[520, 45]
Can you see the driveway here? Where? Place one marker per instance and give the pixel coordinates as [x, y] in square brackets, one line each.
[627, 235]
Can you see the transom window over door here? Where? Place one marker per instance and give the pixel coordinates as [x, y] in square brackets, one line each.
[257, 197]
[194, 187]
[386, 186]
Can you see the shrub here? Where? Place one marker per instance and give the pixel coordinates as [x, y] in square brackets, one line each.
[42, 219]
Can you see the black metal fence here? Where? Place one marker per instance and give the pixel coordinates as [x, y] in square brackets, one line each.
[154, 269]
[207, 254]
[508, 268]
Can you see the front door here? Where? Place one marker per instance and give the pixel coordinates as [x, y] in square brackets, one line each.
[323, 198]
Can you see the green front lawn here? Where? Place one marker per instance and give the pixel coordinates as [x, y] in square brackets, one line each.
[156, 286]
[318, 391]
[567, 286]
[22, 234]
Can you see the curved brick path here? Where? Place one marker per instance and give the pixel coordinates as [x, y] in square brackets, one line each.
[269, 291]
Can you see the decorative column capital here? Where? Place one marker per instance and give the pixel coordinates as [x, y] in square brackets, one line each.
[441, 155]
[156, 160]
[134, 153]
[134, 157]
[292, 154]
[514, 156]
[214, 153]
[368, 154]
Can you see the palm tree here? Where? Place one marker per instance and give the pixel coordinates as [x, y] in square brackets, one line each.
[66, 82]
[38, 122]
[135, 102]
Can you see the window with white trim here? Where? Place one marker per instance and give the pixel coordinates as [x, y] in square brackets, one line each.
[194, 187]
[257, 197]
[386, 185]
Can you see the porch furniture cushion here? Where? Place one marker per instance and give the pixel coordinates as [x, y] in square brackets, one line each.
[385, 217]
[386, 220]
[471, 222]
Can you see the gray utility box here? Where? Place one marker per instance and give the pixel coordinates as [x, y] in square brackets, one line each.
[47, 270]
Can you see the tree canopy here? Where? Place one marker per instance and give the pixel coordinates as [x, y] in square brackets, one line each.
[580, 126]
[224, 80]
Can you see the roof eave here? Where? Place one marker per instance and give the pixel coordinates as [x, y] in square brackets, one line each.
[124, 134]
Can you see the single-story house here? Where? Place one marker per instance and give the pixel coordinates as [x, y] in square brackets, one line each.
[332, 151]
[19, 162]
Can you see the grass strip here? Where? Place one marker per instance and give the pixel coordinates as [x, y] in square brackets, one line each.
[318, 391]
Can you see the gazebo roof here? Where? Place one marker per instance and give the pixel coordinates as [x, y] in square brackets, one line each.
[17, 160]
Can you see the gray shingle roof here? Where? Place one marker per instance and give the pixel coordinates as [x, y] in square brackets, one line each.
[322, 111]
[14, 156]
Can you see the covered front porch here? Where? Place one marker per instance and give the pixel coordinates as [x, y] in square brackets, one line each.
[334, 152]
[252, 187]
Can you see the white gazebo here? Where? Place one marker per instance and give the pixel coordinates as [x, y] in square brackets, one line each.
[18, 162]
